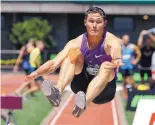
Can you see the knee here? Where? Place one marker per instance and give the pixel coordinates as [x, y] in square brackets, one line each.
[73, 54]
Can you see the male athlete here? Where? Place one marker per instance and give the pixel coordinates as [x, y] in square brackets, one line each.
[88, 62]
[127, 70]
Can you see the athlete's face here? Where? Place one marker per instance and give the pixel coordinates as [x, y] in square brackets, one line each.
[126, 39]
[95, 24]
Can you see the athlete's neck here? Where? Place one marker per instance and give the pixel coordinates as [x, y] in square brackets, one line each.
[93, 41]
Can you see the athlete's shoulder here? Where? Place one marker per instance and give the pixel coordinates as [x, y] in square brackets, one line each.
[79, 38]
[110, 38]
[77, 41]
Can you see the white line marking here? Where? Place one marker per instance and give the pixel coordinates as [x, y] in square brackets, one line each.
[114, 112]
[61, 109]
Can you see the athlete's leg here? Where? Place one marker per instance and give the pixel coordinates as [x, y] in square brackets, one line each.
[32, 90]
[95, 87]
[35, 88]
[67, 72]
[22, 87]
[142, 75]
[130, 78]
[99, 82]
[125, 90]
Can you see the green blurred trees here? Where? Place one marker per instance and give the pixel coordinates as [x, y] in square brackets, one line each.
[35, 28]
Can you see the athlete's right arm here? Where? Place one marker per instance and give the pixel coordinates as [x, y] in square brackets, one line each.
[52, 65]
[140, 39]
[19, 59]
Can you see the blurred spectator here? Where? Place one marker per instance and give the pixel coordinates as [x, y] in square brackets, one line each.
[23, 58]
[128, 51]
[147, 52]
[24, 55]
[35, 61]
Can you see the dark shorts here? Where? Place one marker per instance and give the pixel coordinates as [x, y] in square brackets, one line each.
[142, 72]
[40, 78]
[81, 82]
[26, 71]
[127, 72]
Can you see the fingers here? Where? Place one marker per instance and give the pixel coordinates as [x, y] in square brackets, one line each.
[119, 64]
[109, 65]
[28, 78]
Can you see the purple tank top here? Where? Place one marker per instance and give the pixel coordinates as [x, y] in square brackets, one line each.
[95, 57]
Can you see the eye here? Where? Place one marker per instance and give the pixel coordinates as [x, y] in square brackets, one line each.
[91, 21]
[98, 21]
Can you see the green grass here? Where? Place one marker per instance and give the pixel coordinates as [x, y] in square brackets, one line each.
[35, 109]
[136, 77]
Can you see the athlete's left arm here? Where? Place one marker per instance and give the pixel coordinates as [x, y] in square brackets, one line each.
[115, 45]
[138, 54]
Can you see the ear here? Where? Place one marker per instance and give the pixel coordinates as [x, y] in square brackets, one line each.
[105, 23]
[85, 22]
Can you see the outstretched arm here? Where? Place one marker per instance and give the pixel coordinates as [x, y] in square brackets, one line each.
[115, 45]
[51, 65]
[140, 39]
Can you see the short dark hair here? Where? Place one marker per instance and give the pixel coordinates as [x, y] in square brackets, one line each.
[95, 10]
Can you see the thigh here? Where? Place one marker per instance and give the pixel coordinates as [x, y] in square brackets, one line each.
[123, 72]
[130, 72]
[26, 71]
[107, 94]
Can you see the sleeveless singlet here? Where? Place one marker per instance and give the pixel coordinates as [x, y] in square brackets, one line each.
[127, 56]
[95, 57]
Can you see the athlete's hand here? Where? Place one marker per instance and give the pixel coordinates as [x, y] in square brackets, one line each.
[118, 63]
[109, 65]
[73, 54]
[134, 62]
[143, 32]
[15, 69]
[32, 76]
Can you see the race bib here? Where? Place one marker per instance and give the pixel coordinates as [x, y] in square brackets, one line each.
[125, 57]
[92, 71]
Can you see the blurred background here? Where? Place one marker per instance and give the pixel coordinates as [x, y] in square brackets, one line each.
[55, 23]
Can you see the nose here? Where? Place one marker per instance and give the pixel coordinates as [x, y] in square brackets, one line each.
[94, 25]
